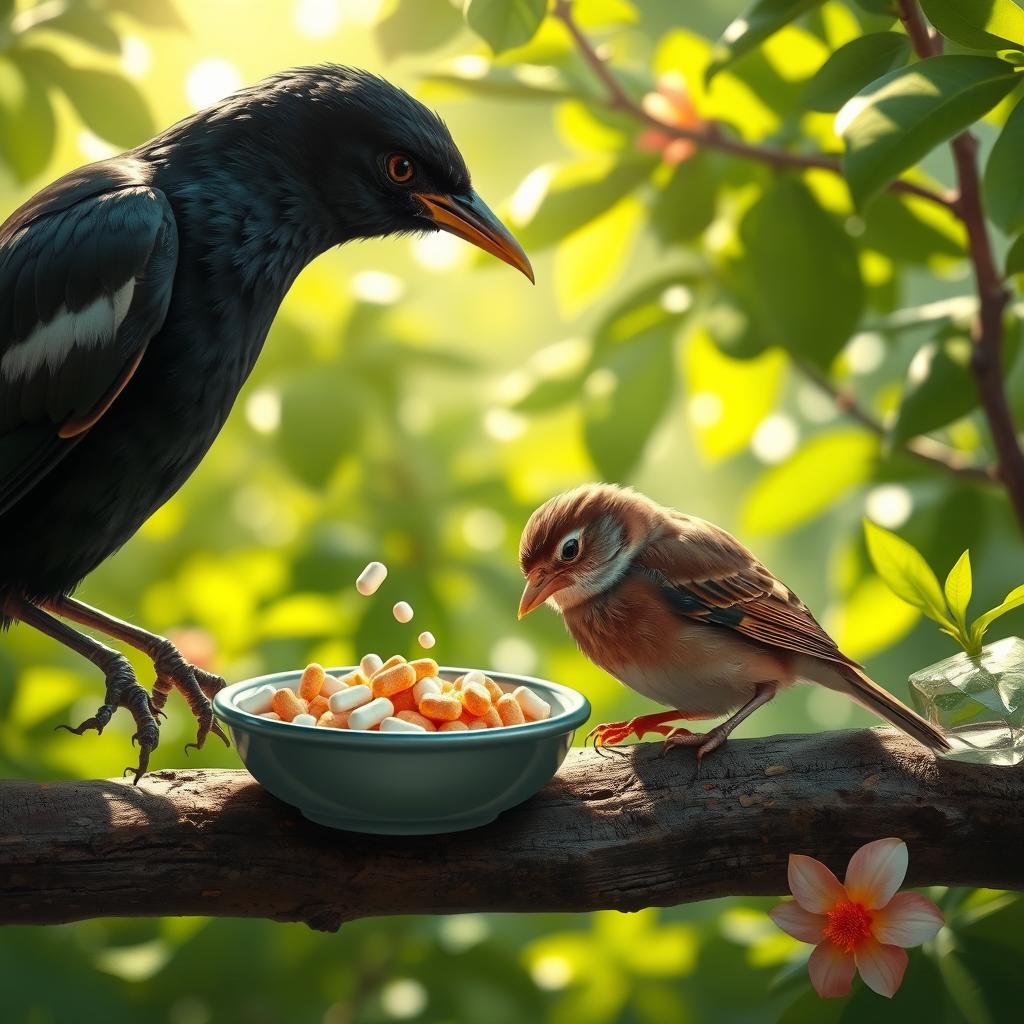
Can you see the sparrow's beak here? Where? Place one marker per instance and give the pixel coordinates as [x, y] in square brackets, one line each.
[469, 217]
[537, 592]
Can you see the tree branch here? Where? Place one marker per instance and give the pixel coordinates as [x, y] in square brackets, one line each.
[923, 449]
[621, 832]
[987, 330]
[710, 135]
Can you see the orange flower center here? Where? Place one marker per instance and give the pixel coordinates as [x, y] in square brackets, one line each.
[848, 925]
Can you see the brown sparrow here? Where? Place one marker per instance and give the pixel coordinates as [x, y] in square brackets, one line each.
[680, 611]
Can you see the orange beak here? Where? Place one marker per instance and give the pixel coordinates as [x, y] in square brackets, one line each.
[537, 592]
[469, 218]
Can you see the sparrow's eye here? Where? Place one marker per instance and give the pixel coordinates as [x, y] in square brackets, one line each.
[400, 168]
[570, 549]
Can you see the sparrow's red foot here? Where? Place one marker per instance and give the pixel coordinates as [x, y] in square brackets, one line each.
[610, 734]
[705, 742]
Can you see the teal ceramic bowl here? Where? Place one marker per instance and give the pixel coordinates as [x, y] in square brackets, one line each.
[404, 783]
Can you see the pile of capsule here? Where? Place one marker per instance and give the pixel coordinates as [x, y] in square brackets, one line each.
[396, 696]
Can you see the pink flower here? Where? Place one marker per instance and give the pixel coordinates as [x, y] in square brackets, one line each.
[864, 925]
[672, 106]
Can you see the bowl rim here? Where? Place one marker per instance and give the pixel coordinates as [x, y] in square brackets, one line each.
[577, 712]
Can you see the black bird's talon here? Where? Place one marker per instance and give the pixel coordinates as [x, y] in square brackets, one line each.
[220, 734]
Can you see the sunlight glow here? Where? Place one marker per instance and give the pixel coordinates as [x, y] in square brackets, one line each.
[775, 438]
[263, 410]
[889, 505]
[514, 654]
[551, 972]
[705, 409]
[403, 998]
[377, 287]
[136, 56]
[211, 80]
[439, 251]
[318, 18]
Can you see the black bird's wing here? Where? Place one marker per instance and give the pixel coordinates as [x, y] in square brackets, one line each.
[86, 273]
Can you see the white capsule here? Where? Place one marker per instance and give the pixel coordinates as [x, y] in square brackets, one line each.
[426, 640]
[474, 675]
[371, 578]
[349, 698]
[369, 715]
[331, 685]
[403, 611]
[400, 725]
[303, 720]
[534, 708]
[370, 663]
[257, 701]
[429, 684]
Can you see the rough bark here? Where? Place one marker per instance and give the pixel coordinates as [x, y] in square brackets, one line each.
[627, 831]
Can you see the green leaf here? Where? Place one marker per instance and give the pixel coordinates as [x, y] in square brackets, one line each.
[810, 482]
[28, 130]
[625, 399]
[854, 66]
[157, 13]
[1015, 257]
[415, 27]
[878, 6]
[84, 26]
[1004, 182]
[912, 230]
[978, 24]
[762, 19]
[577, 194]
[799, 273]
[905, 572]
[958, 589]
[897, 120]
[939, 388]
[1014, 599]
[685, 206]
[504, 24]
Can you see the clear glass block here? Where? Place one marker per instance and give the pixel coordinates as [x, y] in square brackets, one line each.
[978, 702]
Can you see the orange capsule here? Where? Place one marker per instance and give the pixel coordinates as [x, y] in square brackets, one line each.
[510, 711]
[394, 680]
[330, 720]
[475, 699]
[288, 704]
[404, 701]
[455, 726]
[476, 723]
[424, 667]
[311, 681]
[417, 719]
[395, 659]
[492, 719]
[441, 707]
[355, 678]
[273, 716]
[494, 689]
[318, 705]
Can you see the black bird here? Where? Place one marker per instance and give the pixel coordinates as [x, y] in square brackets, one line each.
[135, 296]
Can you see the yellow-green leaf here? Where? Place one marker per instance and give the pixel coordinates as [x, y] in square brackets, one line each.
[958, 589]
[906, 573]
[821, 473]
[505, 23]
[1014, 599]
[978, 24]
[854, 66]
[898, 119]
[762, 19]
[1004, 182]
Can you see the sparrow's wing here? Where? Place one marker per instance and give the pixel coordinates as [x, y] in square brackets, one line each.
[86, 271]
[705, 574]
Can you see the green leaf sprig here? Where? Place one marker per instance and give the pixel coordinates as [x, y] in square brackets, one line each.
[905, 572]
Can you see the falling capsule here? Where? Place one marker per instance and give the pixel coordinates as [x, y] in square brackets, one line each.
[403, 611]
[426, 640]
[371, 578]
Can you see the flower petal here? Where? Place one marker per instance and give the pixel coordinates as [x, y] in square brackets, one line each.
[800, 923]
[881, 967]
[876, 872]
[815, 887]
[907, 920]
[831, 971]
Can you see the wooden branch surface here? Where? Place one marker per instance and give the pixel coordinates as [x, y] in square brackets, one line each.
[624, 831]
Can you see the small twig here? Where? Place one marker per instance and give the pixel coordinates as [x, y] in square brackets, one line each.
[924, 449]
[710, 134]
[987, 328]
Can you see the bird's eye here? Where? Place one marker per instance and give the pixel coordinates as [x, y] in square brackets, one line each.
[570, 549]
[400, 168]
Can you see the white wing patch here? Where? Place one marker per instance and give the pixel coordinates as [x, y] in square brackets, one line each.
[49, 344]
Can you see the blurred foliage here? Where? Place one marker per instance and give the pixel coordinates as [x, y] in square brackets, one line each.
[696, 317]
